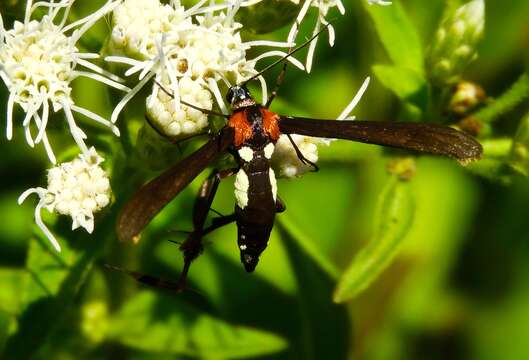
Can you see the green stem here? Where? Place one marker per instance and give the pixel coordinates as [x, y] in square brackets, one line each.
[496, 148]
[518, 92]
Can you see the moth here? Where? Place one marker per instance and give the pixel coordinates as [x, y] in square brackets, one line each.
[250, 135]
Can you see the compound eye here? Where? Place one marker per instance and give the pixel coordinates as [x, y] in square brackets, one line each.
[229, 95]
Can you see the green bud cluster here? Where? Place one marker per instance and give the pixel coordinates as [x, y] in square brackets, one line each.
[455, 42]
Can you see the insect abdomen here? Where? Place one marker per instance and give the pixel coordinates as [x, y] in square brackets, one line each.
[255, 191]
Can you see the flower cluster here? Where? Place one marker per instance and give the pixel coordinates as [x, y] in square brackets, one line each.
[188, 52]
[192, 54]
[78, 189]
[38, 62]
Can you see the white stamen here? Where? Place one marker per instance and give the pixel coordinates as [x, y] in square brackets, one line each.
[280, 44]
[102, 79]
[294, 29]
[293, 60]
[2, 30]
[38, 219]
[91, 19]
[349, 108]
[10, 103]
[29, 137]
[191, 10]
[264, 89]
[340, 6]
[89, 56]
[96, 118]
[44, 122]
[74, 129]
[27, 13]
[212, 84]
[126, 98]
[99, 70]
[123, 60]
[312, 48]
[47, 146]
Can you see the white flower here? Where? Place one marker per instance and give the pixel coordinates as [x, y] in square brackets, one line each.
[170, 43]
[285, 160]
[78, 188]
[39, 60]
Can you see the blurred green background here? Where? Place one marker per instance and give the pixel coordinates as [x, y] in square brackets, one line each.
[456, 285]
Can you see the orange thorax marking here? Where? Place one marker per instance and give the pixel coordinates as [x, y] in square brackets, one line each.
[243, 129]
[271, 123]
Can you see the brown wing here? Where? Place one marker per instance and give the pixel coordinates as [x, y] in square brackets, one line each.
[157, 193]
[421, 137]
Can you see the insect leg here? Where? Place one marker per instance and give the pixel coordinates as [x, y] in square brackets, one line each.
[147, 279]
[202, 110]
[302, 158]
[192, 247]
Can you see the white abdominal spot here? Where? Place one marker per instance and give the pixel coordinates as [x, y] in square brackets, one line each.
[273, 183]
[241, 188]
[246, 153]
[269, 150]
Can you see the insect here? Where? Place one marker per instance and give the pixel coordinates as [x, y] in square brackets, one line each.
[250, 135]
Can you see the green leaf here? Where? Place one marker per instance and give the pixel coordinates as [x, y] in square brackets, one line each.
[393, 219]
[47, 270]
[398, 35]
[308, 245]
[409, 85]
[165, 323]
[12, 283]
[324, 328]
[267, 15]
[54, 280]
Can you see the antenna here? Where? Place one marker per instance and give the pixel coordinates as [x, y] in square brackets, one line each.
[288, 55]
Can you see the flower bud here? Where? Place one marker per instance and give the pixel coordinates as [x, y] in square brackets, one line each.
[94, 323]
[454, 44]
[466, 97]
[404, 168]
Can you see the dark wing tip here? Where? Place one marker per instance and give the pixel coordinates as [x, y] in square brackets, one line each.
[465, 148]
